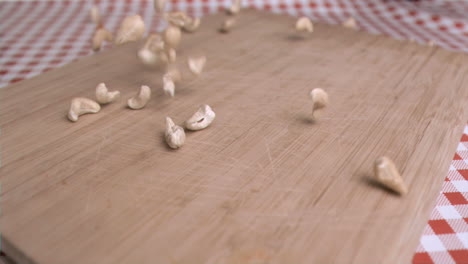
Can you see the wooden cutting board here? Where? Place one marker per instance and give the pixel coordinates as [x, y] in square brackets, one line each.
[263, 184]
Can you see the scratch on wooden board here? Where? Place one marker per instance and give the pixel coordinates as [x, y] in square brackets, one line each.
[88, 194]
[206, 143]
[269, 156]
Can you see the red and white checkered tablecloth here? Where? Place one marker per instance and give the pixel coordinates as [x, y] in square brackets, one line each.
[36, 36]
[445, 237]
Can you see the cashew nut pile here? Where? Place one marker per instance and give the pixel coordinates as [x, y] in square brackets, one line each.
[161, 49]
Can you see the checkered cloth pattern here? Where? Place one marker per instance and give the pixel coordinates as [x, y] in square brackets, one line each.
[36, 36]
[445, 238]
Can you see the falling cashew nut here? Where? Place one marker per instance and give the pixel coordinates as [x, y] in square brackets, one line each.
[168, 85]
[159, 5]
[227, 25]
[148, 57]
[183, 21]
[192, 26]
[80, 106]
[350, 23]
[141, 99]
[175, 135]
[171, 55]
[153, 51]
[100, 35]
[201, 119]
[196, 64]
[177, 18]
[235, 7]
[172, 36]
[131, 29]
[387, 174]
[104, 96]
[154, 42]
[304, 24]
[94, 14]
[319, 102]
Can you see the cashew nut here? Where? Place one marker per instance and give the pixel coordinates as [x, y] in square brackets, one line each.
[235, 7]
[94, 14]
[350, 23]
[80, 106]
[387, 174]
[103, 96]
[148, 57]
[159, 5]
[100, 35]
[192, 26]
[177, 18]
[175, 135]
[201, 119]
[155, 42]
[171, 55]
[227, 25]
[319, 102]
[168, 85]
[141, 99]
[183, 21]
[131, 29]
[172, 36]
[304, 24]
[196, 64]
[153, 51]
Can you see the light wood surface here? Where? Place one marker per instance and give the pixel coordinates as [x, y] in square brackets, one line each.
[262, 184]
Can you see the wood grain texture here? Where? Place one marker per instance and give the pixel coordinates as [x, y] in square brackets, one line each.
[263, 184]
